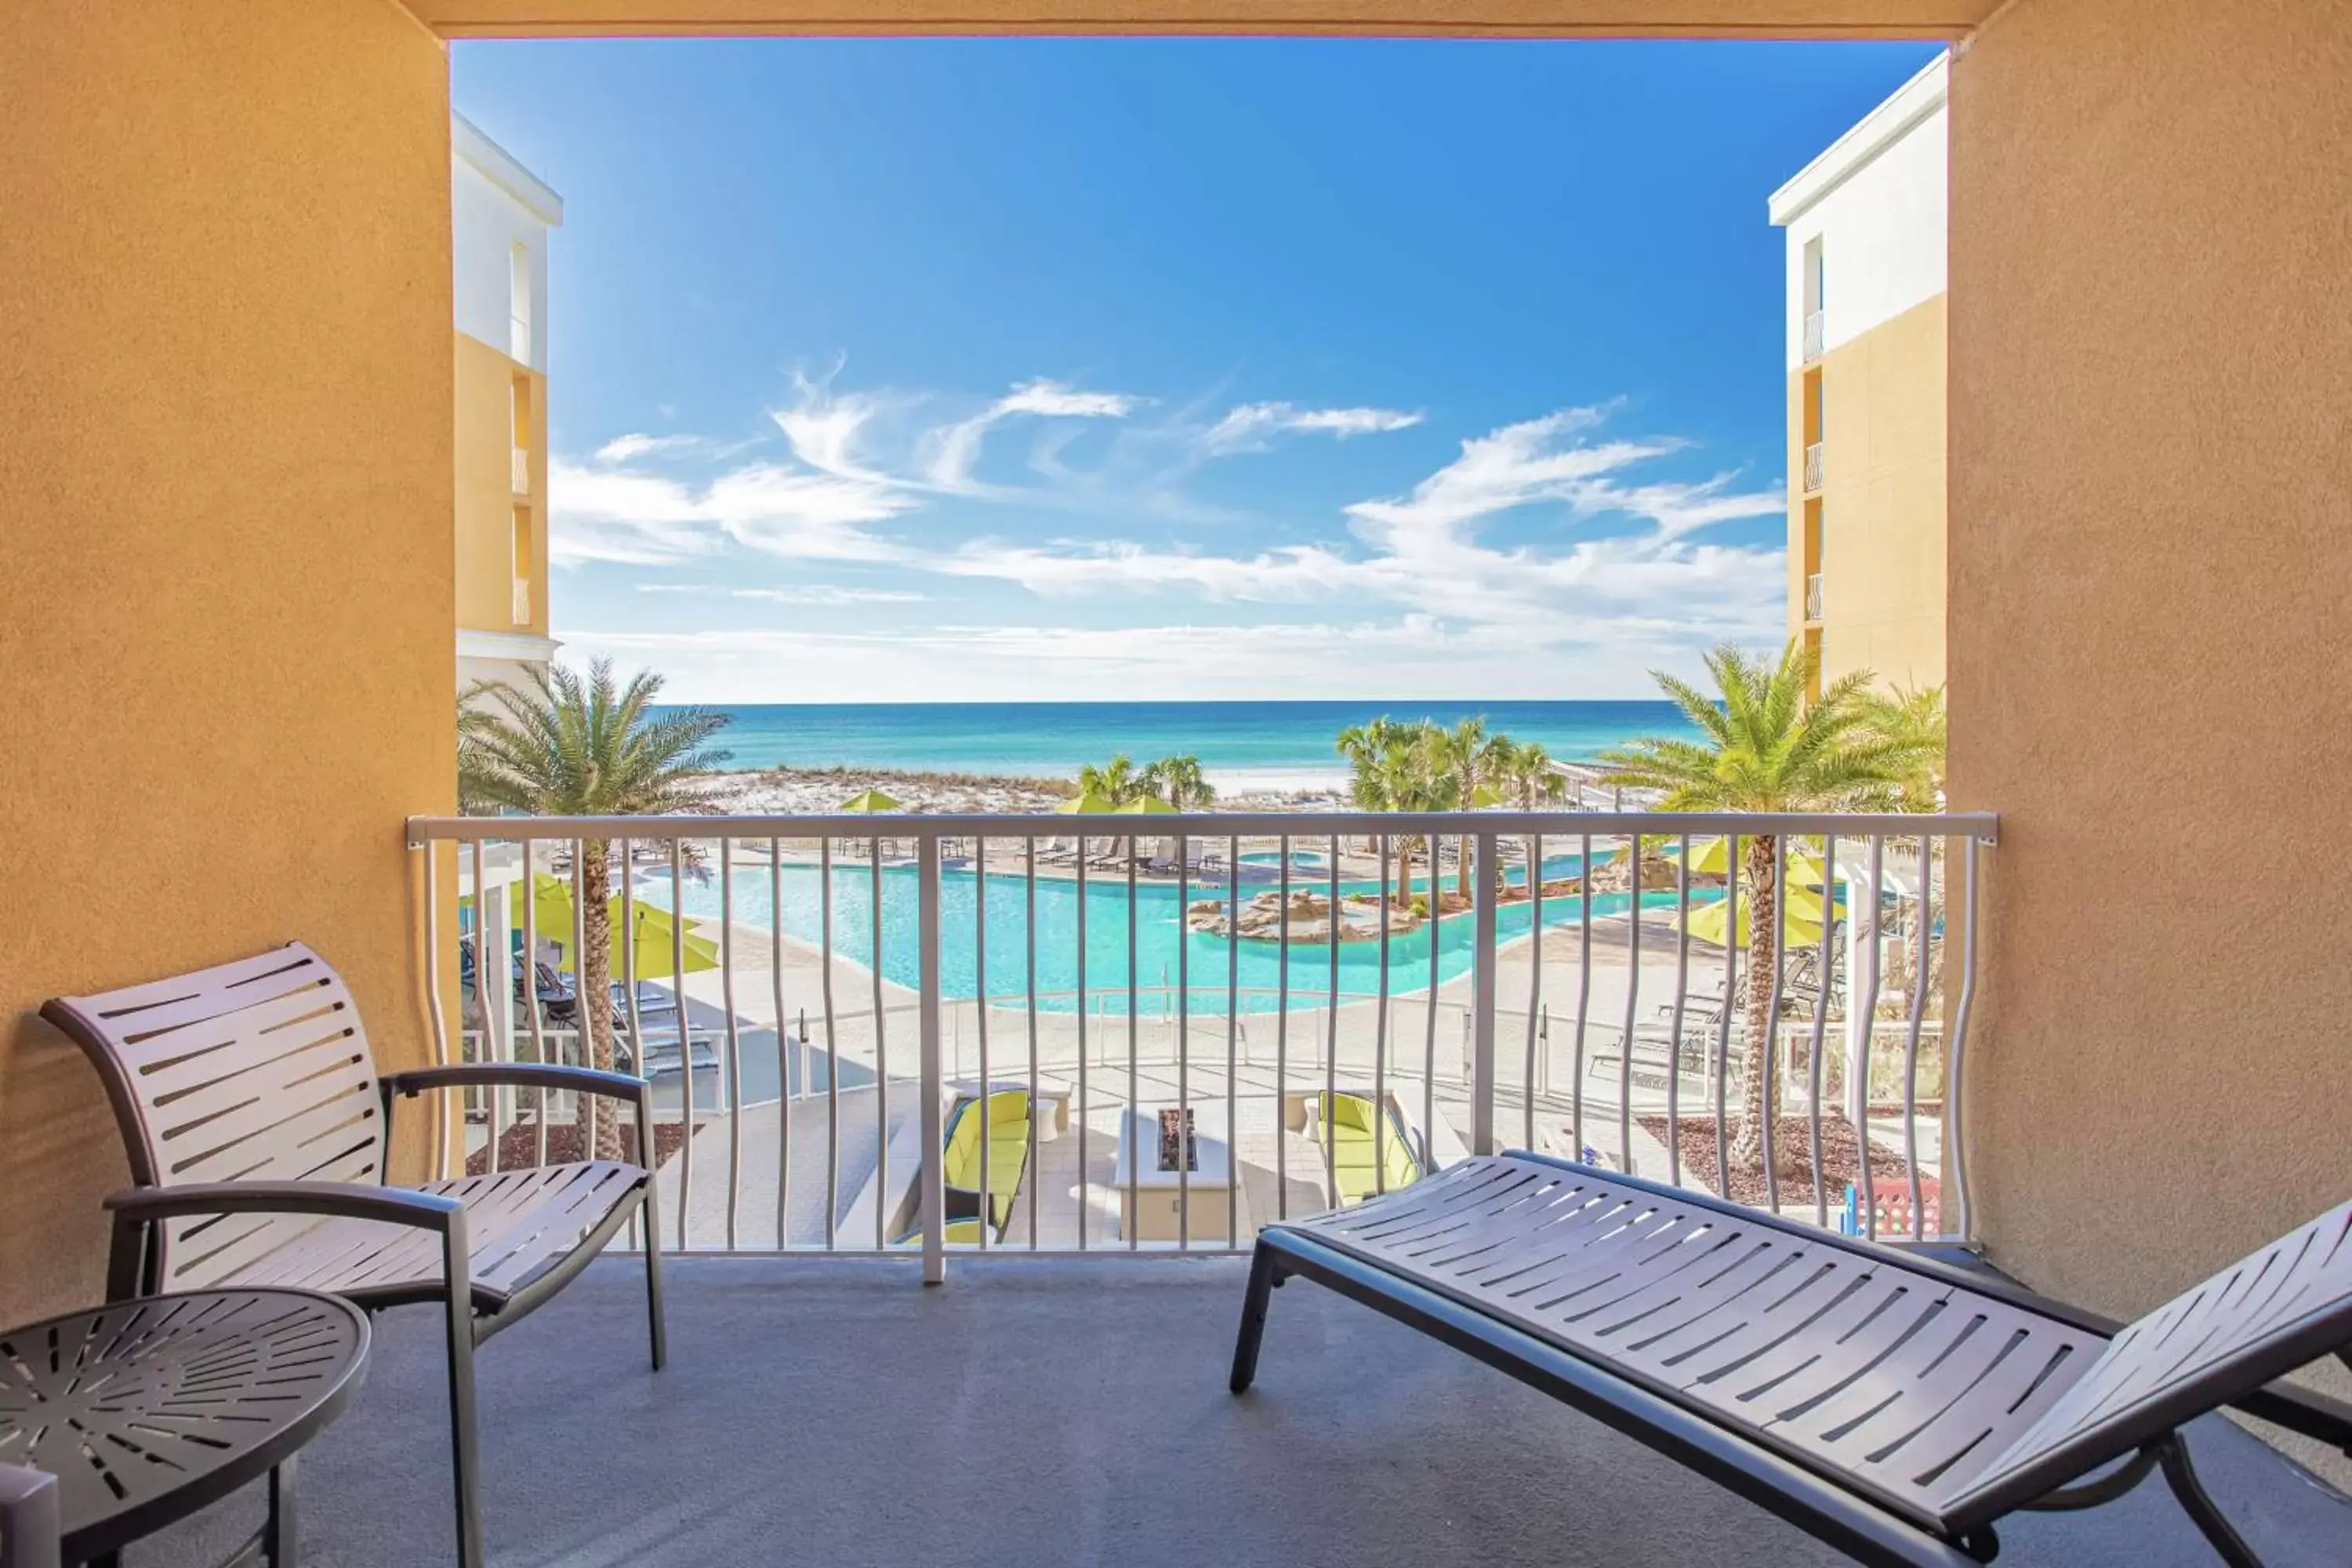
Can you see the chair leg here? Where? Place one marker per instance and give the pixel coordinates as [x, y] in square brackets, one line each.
[463, 1435]
[281, 1533]
[1263, 1269]
[653, 1281]
[2181, 1477]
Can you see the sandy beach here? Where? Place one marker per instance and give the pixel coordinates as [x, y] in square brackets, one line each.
[806, 791]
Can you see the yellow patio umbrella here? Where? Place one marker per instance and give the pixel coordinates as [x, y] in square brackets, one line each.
[1712, 857]
[1087, 805]
[1145, 805]
[653, 934]
[868, 802]
[1801, 920]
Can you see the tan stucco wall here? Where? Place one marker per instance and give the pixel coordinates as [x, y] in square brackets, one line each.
[2151, 553]
[486, 498]
[224, 436]
[1883, 483]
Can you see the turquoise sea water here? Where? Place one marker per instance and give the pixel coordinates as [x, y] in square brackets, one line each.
[1160, 935]
[1052, 739]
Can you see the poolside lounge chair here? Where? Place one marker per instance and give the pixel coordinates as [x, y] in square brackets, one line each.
[1008, 1155]
[1346, 1122]
[256, 1124]
[1892, 1405]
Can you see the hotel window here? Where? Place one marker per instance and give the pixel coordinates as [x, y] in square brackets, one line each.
[518, 302]
[1814, 295]
[523, 560]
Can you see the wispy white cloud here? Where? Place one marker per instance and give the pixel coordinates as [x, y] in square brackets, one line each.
[1252, 427]
[625, 449]
[955, 448]
[794, 592]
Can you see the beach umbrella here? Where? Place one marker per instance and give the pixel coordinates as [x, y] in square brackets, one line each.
[1711, 857]
[868, 802]
[1088, 805]
[1801, 920]
[1144, 806]
[652, 931]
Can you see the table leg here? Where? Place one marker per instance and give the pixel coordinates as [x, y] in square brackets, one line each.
[278, 1536]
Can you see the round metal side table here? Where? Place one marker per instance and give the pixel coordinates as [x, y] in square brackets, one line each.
[147, 1411]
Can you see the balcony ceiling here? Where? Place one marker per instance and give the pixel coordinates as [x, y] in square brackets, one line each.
[1529, 18]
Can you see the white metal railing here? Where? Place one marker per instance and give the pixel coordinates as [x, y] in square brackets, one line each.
[1813, 466]
[519, 477]
[1813, 597]
[1085, 973]
[1814, 334]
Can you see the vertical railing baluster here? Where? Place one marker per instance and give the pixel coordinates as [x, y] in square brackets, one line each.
[1029, 992]
[1723, 1019]
[784, 1043]
[1482, 997]
[1185, 1045]
[644, 1070]
[1858, 1095]
[531, 980]
[1955, 1049]
[832, 1044]
[881, 1061]
[1767, 1103]
[1584, 993]
[1921, 915]
[1381, 1034]
[1429, 1039]
[1233, 1040]
[1086, 1171]
[930, 1171]
[979, 985]
[685, 1046]
[1675, 1029]
[1535, 987]
[491, 1024]
[1632, 1005]
[734, 1078]
[1826, 966]
[582, 1027]
[1332, 1038]
[1130, 1219]
[439, 1165]
[1281, 1035]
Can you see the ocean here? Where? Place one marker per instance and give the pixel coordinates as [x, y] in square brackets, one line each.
[1243, 746]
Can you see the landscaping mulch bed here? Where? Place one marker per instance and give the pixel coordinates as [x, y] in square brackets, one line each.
[518, 1145]
[1792, 1146]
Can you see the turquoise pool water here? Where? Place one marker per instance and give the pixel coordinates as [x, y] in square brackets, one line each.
[1160, 935]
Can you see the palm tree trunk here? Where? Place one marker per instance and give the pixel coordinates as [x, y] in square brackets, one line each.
[1763, 969]
[1404, 872]
[599, 1123]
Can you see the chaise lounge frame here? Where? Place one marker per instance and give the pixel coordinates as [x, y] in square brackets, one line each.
[2135, 1409]
[257, 1072]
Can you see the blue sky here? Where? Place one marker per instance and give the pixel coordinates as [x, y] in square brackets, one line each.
[890, 370]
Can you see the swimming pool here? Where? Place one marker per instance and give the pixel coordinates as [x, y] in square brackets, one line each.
[1161, 934]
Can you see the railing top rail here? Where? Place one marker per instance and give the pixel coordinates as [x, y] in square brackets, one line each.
[1981, 825]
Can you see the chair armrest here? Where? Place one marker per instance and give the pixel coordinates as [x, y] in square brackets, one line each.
[29, 1517]
[524, 1075]
[341, 1200]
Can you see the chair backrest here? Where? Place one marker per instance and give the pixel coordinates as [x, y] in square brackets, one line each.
[254, 1071]
[2258, 1319]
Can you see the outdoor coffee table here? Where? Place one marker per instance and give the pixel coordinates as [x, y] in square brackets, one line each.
[148, 1411]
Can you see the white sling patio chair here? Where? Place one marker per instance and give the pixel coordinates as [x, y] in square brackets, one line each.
[1892, 1405]
[256, 1125]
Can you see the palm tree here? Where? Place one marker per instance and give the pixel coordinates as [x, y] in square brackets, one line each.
[563, 746]
[1115, 782]
[1911, 719]
[1524, 773]
[1763, 749]
[1180, 783]
[1472, 760]
[1393, 768]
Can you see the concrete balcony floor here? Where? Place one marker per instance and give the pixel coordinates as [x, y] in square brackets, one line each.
[832, 1412]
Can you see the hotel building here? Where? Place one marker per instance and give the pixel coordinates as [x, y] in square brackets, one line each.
[1866, 236]
[499, 217]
